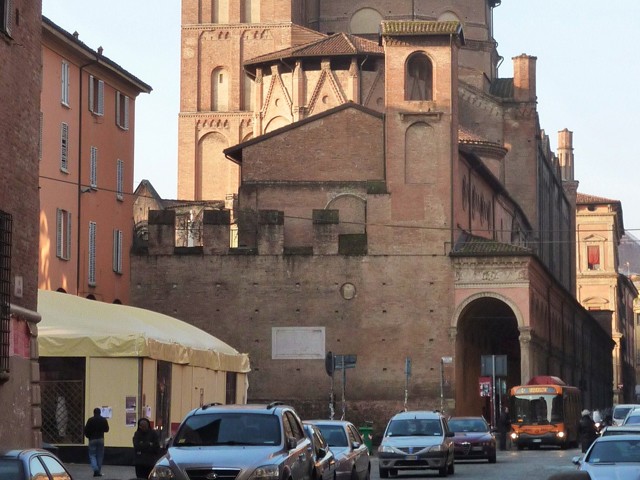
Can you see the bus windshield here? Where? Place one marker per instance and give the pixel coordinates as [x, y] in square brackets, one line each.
[536, 409]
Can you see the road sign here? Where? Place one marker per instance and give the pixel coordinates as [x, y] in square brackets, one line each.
[345, 361]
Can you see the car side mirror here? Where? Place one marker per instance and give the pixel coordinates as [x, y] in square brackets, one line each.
[576, 460]
[322, 452]
[291, 443]
[450, 434]
[355, 445]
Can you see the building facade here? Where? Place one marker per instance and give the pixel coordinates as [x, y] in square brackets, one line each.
[603, 285]
[20, 77]
[86, 169]
[398, 203]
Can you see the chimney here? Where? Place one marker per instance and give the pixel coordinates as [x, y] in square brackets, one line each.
[565, 154]
[524, 78]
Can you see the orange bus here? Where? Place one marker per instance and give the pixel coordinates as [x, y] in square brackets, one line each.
[544, 415]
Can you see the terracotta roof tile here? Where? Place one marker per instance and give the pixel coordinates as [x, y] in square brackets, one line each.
[335, 45]
[469, 244]
[586, 198]
[412, 27]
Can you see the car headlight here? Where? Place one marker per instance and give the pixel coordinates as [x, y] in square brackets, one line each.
[560, 434]
[514, 436]
[385, 449]
[266, 472]
[160, 472]
[438, 448]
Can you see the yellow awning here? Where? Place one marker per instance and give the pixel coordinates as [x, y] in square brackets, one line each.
[76, 327]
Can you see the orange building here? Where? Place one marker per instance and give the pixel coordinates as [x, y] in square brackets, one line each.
[86, 169]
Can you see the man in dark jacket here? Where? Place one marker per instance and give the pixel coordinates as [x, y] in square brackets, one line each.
[146, 446]
[504, 427]
[94, 430]
[588, 430]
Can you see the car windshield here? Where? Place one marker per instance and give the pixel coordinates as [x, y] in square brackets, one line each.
[334, 435]
[414, 426]
[11, 469]
[615, 451]
[229, 429]
[632, 419]
[470, 425]
[620, 412]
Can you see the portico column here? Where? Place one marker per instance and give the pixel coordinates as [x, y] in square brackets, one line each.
[526, 362]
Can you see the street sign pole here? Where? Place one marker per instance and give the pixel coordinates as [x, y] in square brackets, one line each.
[344, 388]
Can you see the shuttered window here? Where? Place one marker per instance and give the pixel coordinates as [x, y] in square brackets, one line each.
[6, 16]
[120, 180]
[64, 147]
[93, 168]
[5, 289]
[92, 253]
[122, 111]
[96, 95]
[63, 234]
[64, 75]
[117, 251]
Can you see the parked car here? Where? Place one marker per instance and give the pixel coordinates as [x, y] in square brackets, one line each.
[620, 430]
[473, 439]
[416, 440]
[620, 411]
[346, 443]
[238, 442]
[612, 456]
[323, 458]
[32, 463]
[633, 417]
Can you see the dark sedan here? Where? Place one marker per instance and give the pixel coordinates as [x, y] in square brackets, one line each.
[31, 463]
[473, 439]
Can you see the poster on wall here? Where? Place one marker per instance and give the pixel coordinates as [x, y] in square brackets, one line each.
[106, 412]
[130, 410]
[130, 419]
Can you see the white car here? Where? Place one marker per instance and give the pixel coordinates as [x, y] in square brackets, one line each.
[633, 417]
[621, 411]
[612, 457]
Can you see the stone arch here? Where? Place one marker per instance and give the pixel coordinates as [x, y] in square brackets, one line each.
[275, 123]
[485, 323]
[418, 77]
[352, 212]
[365, 21]
[220, 83]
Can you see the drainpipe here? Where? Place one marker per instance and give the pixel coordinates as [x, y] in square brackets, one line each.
[80, 192]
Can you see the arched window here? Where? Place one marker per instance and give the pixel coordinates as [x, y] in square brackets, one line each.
[419, 78]
[219, 90]
[365, 21]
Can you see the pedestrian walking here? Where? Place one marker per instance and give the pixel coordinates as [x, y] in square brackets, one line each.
[504, 427]
[588, 430]
[94, 430]
[146, 446]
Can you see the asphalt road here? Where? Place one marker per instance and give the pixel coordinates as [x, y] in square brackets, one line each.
[511, 465]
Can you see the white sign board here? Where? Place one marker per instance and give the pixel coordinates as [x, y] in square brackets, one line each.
[297, 343]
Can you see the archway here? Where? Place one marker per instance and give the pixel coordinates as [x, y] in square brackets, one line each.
[486, 325]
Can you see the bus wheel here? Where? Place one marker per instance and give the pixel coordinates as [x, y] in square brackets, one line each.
[520, 446]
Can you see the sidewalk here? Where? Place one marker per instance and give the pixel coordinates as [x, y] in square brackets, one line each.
[81, 471]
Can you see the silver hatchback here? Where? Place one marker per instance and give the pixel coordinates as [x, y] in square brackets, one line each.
[238, 442]
[417, 440]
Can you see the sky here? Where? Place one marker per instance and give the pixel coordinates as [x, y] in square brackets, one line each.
[587, 70]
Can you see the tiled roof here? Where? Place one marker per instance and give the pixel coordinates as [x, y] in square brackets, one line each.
[585, 198]
[412, 27]
[469, 244]
[335, 45]
[502, 87]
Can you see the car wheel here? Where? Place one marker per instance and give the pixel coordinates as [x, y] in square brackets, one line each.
[384, 473]
[520, 446]
[492, 458]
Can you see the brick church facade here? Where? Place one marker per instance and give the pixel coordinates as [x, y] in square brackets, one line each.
[396, 200]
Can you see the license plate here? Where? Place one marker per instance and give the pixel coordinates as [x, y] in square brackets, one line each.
[537, 440]
[477, 449]
[411, 457]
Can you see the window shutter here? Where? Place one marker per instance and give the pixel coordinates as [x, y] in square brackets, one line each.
[64, 146]
[126, 113]
[118, 122]
[91, 93]
[93, 171]
[92, 253]
[119, 179]
[8, 16]
[117, 251]
[64, 95]
[68, 237]
[59, 224]
[100, 110]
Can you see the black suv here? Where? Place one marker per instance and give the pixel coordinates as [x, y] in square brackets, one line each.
[238, 442]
